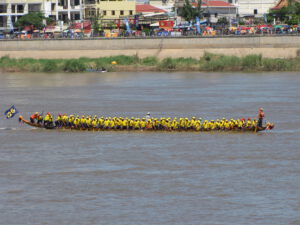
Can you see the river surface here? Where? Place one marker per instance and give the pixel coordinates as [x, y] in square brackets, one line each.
[77, 177]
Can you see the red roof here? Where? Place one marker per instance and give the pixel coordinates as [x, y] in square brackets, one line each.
[281, 4]
[146, 8]
[214, 4]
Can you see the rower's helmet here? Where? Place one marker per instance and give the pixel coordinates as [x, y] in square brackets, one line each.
[148, 113]
[261, 109]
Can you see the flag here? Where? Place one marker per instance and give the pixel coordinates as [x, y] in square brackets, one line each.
[136, 21]
[11, 112]
[198, 25]
[11, 25]
[127, 25]
[265, 18]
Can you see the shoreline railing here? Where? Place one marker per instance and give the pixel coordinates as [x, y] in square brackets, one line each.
[59, 37]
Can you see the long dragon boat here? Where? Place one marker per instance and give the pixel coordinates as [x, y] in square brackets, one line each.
[268, 126]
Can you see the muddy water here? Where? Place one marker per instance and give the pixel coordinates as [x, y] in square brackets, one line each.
[63, 177]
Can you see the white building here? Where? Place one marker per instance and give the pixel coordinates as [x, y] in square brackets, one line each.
[213, 9]
[12, 10]
[67, 10]
[167, 5]
[255, 8]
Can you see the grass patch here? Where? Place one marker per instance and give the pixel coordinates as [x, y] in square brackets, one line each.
[252, 62]
[50, 66]
[279, 65]
[167, 64]
[74, 65]
[149, 61]
[209, 62]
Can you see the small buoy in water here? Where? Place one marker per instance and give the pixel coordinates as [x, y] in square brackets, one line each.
[113, 62]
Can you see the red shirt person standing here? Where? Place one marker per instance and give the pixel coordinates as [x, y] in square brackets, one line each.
[261, 116]
[34, 117]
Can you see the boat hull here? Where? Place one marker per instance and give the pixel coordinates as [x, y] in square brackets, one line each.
[252, 129]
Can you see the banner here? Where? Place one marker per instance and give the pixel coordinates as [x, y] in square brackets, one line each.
[198, 25]
[166, 24]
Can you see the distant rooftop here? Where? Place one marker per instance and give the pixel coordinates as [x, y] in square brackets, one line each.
[146, 8]
[207, 3]
[281, 4]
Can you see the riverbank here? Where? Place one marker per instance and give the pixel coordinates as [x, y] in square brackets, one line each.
[283, 46]
[209, 62]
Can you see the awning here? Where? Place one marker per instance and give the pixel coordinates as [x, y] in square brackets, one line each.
[155, 24]
[153, 14]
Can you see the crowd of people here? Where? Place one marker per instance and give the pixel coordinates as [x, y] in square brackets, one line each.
[216, 30]
[146, 123]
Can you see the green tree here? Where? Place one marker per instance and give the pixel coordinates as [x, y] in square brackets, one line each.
[189, 12]
[289, 14]
[223, 21]
[34, 19]
[96, 24]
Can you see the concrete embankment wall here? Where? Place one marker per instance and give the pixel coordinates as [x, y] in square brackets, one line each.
[268, 46]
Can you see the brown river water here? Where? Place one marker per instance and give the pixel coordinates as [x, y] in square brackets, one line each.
[77, 177]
